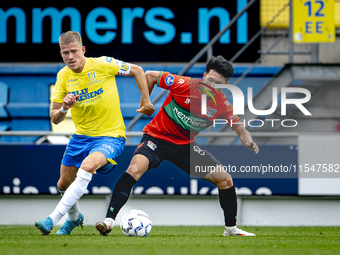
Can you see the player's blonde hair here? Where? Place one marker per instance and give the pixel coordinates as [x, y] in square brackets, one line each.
[70, 36]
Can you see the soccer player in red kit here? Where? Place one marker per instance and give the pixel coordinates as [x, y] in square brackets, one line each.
[171, 136]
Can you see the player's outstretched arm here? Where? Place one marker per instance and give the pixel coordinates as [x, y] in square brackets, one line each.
[246, 138]
[59, 110]
[146, 106]
[151, 79]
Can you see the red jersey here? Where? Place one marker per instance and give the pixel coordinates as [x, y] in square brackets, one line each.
[180, 120]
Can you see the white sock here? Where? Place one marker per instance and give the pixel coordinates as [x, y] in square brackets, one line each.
[74, 212]
[73, 193]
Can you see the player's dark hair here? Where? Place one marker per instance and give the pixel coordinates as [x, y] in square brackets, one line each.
[220, 65]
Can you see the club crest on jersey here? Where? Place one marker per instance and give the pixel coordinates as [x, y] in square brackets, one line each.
[211, 112]
[169, 80]
[92, 75]
[151, 145]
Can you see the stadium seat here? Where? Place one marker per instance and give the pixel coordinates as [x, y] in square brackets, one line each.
[28, 96]
[28, 109]
[25, 125]
[3, 100]
[4, 125]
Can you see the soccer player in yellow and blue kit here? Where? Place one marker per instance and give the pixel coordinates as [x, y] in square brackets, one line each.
[88, 87]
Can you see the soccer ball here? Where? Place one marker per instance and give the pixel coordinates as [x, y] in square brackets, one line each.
[135, 223]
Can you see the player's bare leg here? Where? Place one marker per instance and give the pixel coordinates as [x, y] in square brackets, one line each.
[67, 175]
[138, 166]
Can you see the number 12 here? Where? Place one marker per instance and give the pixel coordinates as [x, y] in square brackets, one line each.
[318, 12]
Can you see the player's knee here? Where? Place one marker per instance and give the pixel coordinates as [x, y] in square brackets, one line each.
[89, 166]
[222, 180]
[93, 162]
[135, 171]
[223, 183]
[62, 185]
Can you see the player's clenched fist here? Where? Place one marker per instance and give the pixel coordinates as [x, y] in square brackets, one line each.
[69, 101]
[147, 109]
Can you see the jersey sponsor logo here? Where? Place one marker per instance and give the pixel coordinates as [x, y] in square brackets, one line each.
[92, 75]
[186, 120]
[84, 94]
[124, 68]
[232, 116]
[151, 145]
[227, 103]
[109, 147]
[187, 101]
[181, 81]
[72, 82]
[169, 80]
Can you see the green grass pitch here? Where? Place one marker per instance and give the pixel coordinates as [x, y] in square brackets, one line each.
[172, 240]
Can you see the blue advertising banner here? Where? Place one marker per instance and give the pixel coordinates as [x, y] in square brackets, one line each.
[34, 169]
[149, 31]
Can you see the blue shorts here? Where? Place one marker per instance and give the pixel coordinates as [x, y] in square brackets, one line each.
[80, 146]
